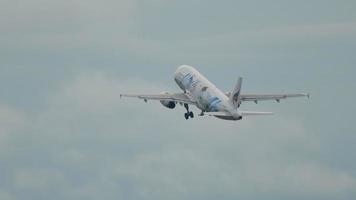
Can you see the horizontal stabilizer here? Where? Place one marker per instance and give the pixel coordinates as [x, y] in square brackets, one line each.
[251, 113]
[221, 114]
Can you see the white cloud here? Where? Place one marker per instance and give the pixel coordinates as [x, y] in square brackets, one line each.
[43, 17]
[99, 93]
[11, 120]
[37, 180]
[87, 143]
[237, 44]
[4, 195]
[316, 178]
[259, 160]
[66, 25]
[94, 144]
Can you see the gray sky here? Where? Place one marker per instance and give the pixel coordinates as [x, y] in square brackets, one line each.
[65, 133]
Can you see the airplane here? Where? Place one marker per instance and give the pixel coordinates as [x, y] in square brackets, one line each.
[200, 92]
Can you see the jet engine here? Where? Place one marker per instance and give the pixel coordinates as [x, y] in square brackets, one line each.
[167, 103]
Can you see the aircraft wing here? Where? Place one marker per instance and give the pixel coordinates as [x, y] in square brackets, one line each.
[176, 97]
[264, 97]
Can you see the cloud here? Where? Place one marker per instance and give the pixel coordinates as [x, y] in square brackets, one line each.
[6, 195]
[37, 179]
[10, 118]
[89, 143]
[43, 17]
[316, 178]
[92, 28]
[49, 27]
[79, 140]
[241, 44]
[100, 91]
[11, 121]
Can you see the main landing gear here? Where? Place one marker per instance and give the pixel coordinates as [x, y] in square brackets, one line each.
[188, 113]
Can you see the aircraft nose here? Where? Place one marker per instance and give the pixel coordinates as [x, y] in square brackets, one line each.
[185, 68]
[179, 73]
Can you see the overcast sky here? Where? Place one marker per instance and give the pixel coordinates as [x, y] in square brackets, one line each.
[66, 134]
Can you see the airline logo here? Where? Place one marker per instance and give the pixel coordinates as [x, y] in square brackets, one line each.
[189, 81]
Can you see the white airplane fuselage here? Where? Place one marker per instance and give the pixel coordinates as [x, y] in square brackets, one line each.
[199, 91]
[208, 97]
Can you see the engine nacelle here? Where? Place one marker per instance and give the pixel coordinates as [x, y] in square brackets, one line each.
[168, 104]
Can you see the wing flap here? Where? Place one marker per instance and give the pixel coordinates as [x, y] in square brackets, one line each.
[177, 97]
[265, 97]
[218, 114]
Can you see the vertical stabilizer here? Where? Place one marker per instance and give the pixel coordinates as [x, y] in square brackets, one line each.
[235, 94]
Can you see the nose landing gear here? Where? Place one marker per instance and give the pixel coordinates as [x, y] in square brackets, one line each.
[188, 113]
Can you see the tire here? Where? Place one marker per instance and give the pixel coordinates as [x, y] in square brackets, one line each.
[191, 114]
[186, 115]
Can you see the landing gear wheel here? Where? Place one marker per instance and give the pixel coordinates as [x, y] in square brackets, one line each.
[186, 115]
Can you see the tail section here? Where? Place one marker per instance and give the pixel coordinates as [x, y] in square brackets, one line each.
[234, 97]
